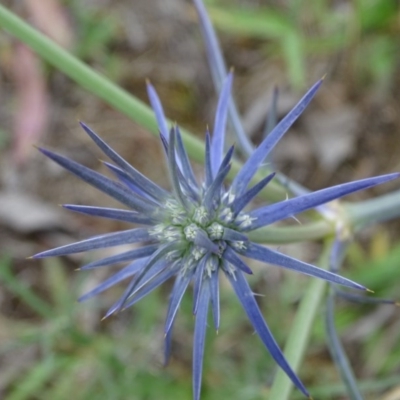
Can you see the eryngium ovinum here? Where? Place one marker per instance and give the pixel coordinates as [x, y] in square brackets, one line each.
[197, 231]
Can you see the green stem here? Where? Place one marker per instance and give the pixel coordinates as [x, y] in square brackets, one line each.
[300, 332]
[292, 234]
[372, 211]
[107, 90]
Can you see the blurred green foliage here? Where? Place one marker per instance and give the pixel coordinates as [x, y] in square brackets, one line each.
[97, 31]
[122, 357]
[301, 30]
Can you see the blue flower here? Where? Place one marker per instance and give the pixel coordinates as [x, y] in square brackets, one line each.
[197, 231]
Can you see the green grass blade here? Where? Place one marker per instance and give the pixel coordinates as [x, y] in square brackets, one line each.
[300, 333]
[23, 292]
[34, 379]
[263, 24]
[58, 283]
[292, 46]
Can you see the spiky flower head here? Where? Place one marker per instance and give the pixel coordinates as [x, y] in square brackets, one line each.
[197, 231]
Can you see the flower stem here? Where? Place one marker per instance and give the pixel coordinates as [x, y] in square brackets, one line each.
[300, 332]
[379, 209]
[292, 234]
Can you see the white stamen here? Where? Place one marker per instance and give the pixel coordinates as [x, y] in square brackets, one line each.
[198, 252]
[239, 245]
[245, 220]
[229, 197]
[157, 230]
[200, 216]
[215, 231]
[211, 266]
[190, 232]
[227, 215]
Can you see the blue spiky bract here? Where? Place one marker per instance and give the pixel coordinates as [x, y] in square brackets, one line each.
[198, 230]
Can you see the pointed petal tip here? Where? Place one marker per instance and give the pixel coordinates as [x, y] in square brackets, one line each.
[87, 129]
[108, 315]
[47, 153]
[304, 391]
[318, 84]
[315, 87]
[358, 286]
[41, 149]
[37, 256]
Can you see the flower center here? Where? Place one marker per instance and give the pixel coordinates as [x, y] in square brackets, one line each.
[200, 232]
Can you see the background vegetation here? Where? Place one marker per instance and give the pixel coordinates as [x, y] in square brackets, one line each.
[53, 348]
